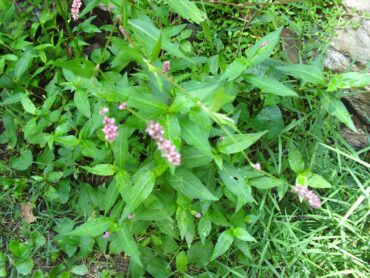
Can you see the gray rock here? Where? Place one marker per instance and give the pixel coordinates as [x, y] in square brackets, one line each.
[358, 5]
[336, 61]
[354, 43]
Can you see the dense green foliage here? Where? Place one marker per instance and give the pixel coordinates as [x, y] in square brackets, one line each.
[248, 123]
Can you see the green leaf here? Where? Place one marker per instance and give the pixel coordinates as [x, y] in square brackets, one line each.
[185, 224]
[18, 249]
[270, 86]
[317, 181]
[89, 6]
[22, 65]
[82, 103]
[80, 270]
[307, 73]
[223, 244]
[349, 80]
[192, 158]
[337, 109]
[242, 234]
[266, 182]
[235, 183]
[239, 142]
[111, 195]
[295, 158]
[195, 136]
[23, 162]
[187, 9]
[182, 262]
[141, 190]
[190, 185]
[151, 35]
[68, 140]
[259, 53]
[128, 244]
[120, 147]
[147, 104]
[204, 227]
[235, 69]
[269, 118]
[24, 266]
[3, 272]
[101, 169]
[93, 227]
[28, 105]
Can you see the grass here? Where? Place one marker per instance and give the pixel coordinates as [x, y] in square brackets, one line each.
[292, 240]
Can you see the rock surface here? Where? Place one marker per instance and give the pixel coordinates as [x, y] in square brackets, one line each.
[350, 51]
[358, 5]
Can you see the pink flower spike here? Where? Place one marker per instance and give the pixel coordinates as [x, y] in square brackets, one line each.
[106, 234]
[122, 106]
[166, 67]
[307, 195]
[75, 9]
[168, 150]
[110, 129]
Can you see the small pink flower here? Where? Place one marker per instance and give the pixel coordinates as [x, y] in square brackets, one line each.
[122, 106]
[110, 129]
[104, 111]
[131, 216]
[166, 66]
[307, 195]
[264, 44]
[75, 8]
[198, 215]
[106, 234]
[257, 166]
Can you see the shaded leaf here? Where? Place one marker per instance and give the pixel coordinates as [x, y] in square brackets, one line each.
[349, 80]
[223, 244]
[307, 73]
[242, 234]
[317, 181]
[138, 192]
[336, 108]
[239, 142]
[82, 103]
[128, 244]
[187, 9]
[23, 162]
[101, 169]
[93, 227]
[270, 86]
[190, 185]
[259, 53]
[195, 136]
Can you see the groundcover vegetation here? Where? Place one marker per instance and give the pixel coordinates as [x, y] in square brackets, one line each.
[175, 138]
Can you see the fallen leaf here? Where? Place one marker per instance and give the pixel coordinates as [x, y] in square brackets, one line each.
[27, 214]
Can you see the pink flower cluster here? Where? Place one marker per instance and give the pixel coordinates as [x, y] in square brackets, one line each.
[75, 8]
[168, 150]
[307, 195]
[166, 66]
[110, 128]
